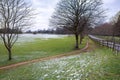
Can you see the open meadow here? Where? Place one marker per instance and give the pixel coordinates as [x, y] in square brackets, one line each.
[31, 46]
[59, 39]
[98, 63]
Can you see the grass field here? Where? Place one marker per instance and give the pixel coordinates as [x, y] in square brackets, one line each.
[110, 38]
[98, 64]
[29, 48]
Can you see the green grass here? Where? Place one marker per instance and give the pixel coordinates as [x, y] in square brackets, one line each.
[110, 38]
[99, 64]
[37, 48]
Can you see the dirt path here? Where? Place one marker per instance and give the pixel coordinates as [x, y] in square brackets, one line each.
[47, 58]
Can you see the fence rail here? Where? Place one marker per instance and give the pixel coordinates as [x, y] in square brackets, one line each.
[107, 43]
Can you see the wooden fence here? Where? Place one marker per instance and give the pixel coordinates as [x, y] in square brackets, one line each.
[111, 44]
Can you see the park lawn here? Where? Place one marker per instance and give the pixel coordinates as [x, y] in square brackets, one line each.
[98, 64]
[110, 38]
[38, 48]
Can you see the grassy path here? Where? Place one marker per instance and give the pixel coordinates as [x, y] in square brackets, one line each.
[38, 48]
[96, 63]
[47, 58]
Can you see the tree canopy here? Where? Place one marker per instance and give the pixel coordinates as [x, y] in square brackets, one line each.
[76, 15]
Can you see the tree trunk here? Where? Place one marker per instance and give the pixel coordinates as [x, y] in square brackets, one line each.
[77, 45]
[81, 38]
[9, 54]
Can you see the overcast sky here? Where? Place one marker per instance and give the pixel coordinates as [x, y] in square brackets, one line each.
[45, 8]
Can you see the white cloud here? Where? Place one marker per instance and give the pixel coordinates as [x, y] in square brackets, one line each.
[108, 1]
[44, 10]
[112, 6]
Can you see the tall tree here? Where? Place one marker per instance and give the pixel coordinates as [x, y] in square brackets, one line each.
[117, 26]
[14, 15]
[115, 21]
[74, 15]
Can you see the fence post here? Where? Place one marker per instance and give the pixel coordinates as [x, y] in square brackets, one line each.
[107, 43]
[114, 44]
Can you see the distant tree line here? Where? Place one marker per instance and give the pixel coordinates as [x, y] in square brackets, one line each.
[8, 30]
[105, 29]
[116, 24]
[111, 28]
[51, 31]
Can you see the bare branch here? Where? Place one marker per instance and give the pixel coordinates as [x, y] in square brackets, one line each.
[14, 16]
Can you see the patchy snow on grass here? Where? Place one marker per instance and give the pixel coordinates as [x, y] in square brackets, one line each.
[78, 67]
[73, 67]
[32, 37]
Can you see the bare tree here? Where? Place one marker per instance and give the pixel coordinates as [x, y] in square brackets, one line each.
[14, 16]
[74, 15]
[117, 26]
[115, 21]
